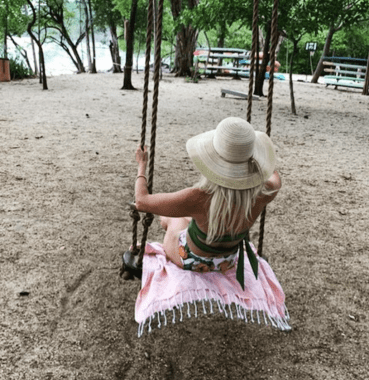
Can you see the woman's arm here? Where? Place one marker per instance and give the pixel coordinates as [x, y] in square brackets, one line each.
[186, 202]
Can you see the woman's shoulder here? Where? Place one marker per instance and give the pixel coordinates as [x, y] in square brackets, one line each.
[272, 187]
[194, 194]
[274, 182]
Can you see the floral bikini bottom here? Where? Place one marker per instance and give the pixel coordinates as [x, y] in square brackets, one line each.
[197, 263]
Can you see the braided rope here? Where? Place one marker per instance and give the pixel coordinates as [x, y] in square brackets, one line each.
[147, 73]
[134, 214]
[273, 48]
[253, 53]
[270, 104]
[149, 217]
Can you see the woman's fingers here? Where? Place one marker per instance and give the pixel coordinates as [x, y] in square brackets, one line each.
[141, 155]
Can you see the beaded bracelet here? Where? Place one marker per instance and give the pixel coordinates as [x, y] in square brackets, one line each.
[143, 176]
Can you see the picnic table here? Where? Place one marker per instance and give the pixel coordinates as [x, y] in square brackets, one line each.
[222, 62]
[346, 74]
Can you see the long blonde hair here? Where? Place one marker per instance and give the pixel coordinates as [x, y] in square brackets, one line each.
[227, 206]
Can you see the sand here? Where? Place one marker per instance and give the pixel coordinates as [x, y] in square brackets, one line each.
[67, 170]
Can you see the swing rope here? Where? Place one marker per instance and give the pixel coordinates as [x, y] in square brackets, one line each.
[253, 53]
[134, 214]
[270, 105]
[148, 218]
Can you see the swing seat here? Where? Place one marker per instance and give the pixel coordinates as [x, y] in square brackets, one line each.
[130, 262]
[169, 292]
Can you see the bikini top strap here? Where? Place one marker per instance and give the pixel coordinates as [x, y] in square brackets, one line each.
[193, 227]
[195, 233]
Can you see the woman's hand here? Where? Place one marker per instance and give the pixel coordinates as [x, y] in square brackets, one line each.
[141, 158]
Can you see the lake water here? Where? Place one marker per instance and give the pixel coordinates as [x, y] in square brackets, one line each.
[57, 61]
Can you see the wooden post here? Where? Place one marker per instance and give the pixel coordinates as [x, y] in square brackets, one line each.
[4, 70]
[366, 83]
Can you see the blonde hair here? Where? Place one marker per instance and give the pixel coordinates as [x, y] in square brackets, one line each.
[227, 206]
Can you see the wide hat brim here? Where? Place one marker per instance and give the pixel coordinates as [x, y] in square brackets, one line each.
[230, 174]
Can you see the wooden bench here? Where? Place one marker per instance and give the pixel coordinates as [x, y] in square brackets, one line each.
[343, 81]
[208, 62]
[345, 75]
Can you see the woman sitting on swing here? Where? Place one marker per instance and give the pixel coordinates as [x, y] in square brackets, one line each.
[206, 225]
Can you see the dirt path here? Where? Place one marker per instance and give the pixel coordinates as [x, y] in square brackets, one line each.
[66, 170]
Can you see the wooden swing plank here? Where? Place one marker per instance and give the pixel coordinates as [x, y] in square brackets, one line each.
[237, 93]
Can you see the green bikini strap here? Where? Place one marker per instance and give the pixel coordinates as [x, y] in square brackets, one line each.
[195, 232]
[240, 276]
[194, 228]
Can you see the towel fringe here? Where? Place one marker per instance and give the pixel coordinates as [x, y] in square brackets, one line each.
[241, 307]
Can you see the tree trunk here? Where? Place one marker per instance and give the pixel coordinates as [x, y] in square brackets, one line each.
[87, 29]
[257, 66]
[292, 95]
[127, 81]
[39, 38]
[6, 32]
[75, 51]
[41, 53]
[56, 13]
[23, 52]
[259, 82]
[221, 40]
[35, 71]
[93, 71]
[185, 41]
[366, 82]
[327, 46]
[34, 57]
[114, 49]
[186, 45]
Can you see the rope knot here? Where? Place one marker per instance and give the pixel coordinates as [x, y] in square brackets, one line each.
[135, 215]
[147, 220]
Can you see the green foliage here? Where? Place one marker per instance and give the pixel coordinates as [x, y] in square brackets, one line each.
[12, 19]
[18, 69]
[352, 42]
[124, 8]
[302, 63]
[106, 14]
[238, 36]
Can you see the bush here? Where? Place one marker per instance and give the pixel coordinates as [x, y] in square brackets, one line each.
[18, 70]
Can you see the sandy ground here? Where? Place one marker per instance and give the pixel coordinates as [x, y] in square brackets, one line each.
[67, 170]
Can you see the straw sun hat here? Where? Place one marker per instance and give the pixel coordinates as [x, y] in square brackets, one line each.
[233, 155]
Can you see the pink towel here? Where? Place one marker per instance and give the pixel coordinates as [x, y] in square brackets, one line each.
[168, 288]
